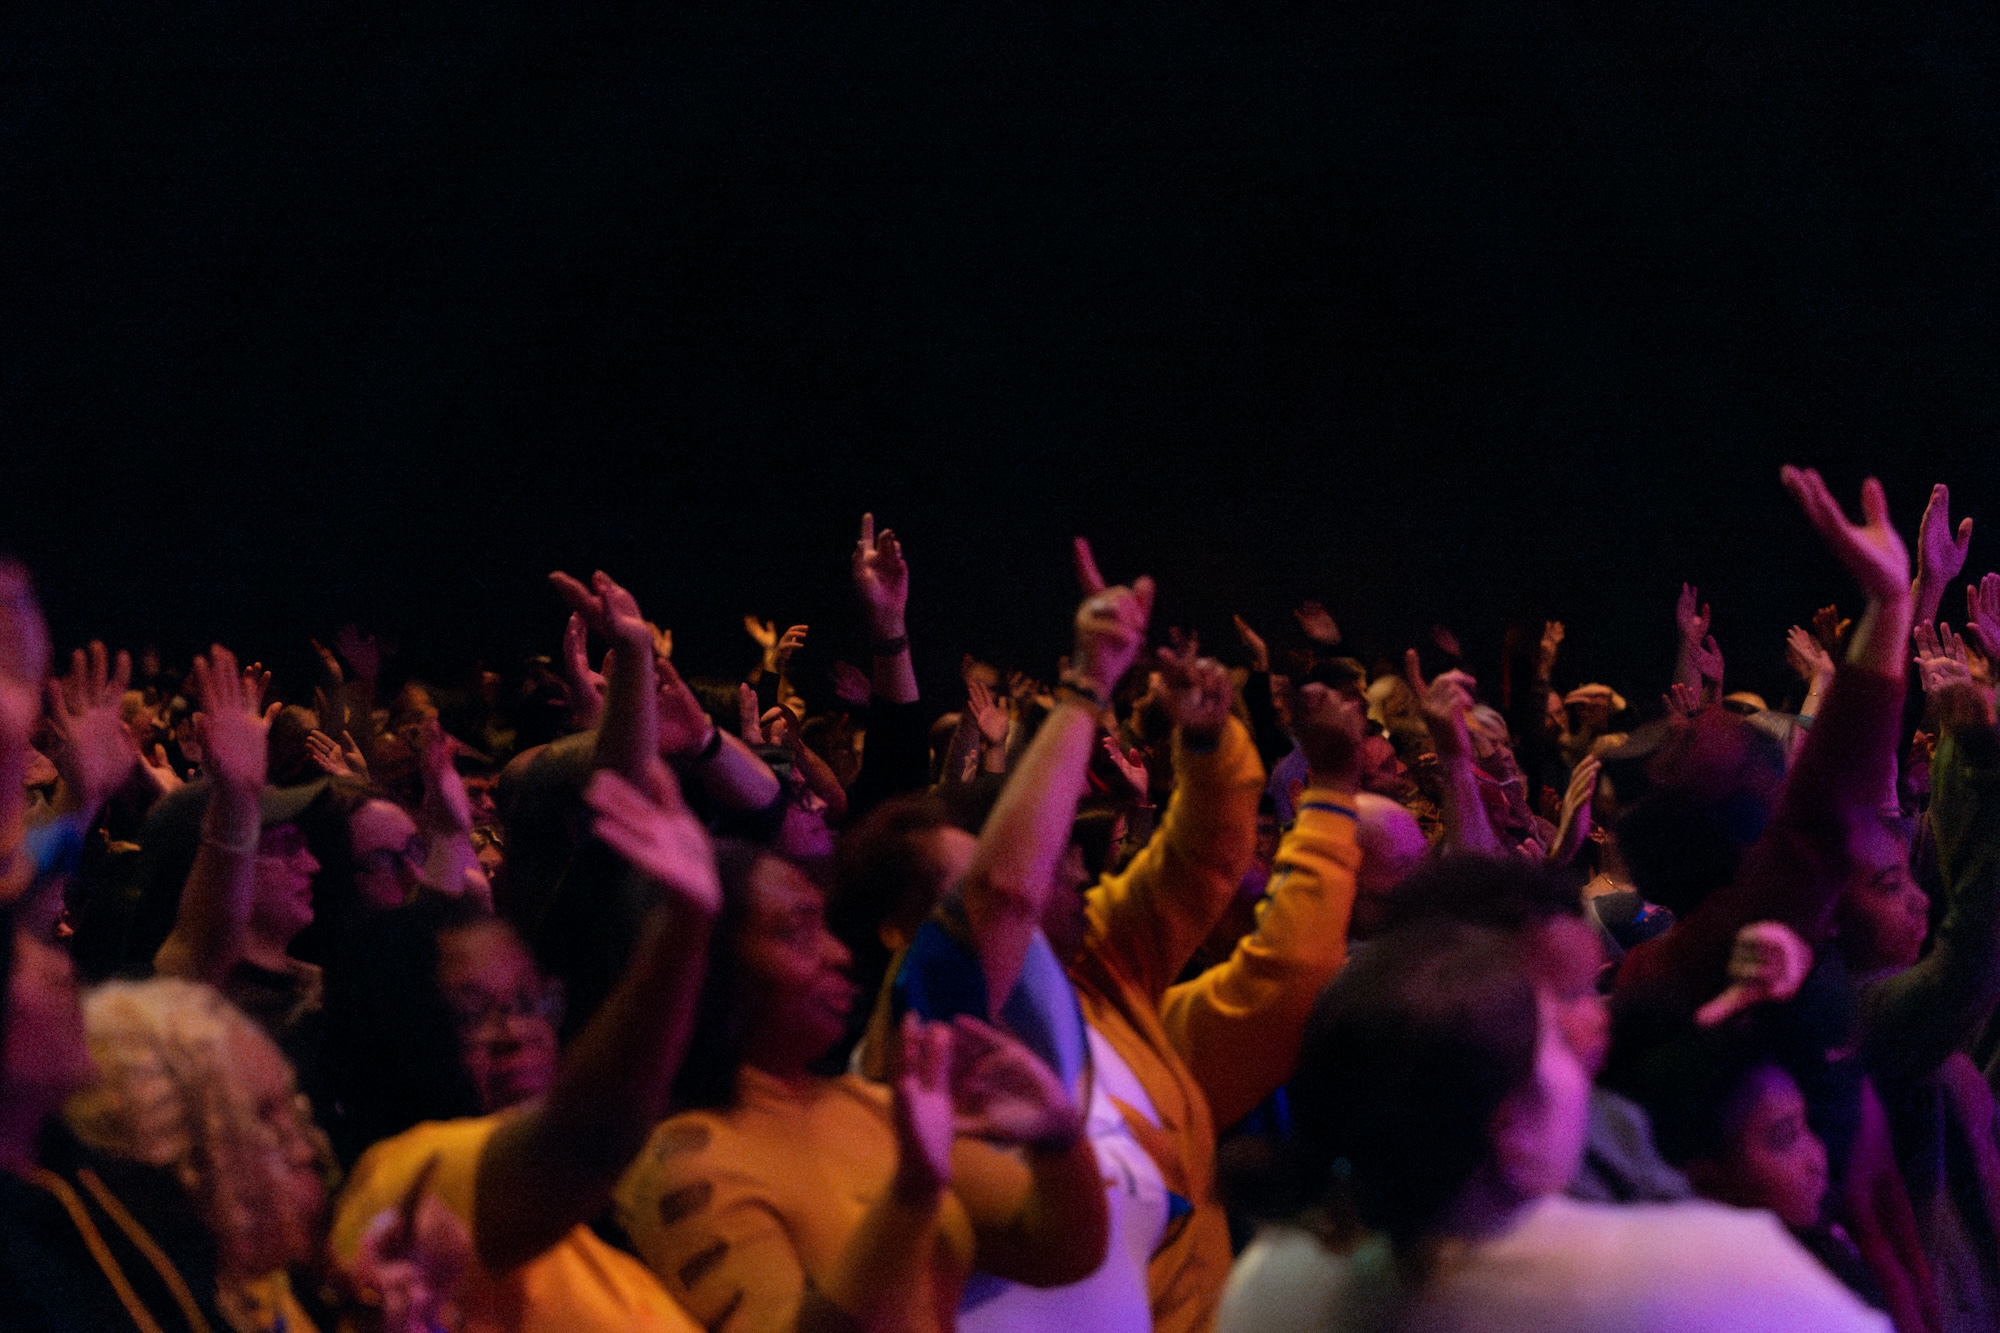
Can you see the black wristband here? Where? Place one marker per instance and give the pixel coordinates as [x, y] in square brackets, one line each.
[1085, 691]
[890, 647]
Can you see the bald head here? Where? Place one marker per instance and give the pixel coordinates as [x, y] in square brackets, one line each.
[1392, 843]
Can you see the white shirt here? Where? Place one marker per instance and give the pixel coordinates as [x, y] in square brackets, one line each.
[1564, 1267]
[1114, 1299]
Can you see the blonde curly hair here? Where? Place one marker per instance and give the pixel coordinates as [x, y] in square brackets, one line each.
[171, 1093]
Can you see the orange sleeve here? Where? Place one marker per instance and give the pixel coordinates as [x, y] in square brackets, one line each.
[1150, 917]
[1238, 1025]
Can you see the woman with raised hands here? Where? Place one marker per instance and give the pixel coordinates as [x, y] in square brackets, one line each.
[533, 1144]
[781, 1199]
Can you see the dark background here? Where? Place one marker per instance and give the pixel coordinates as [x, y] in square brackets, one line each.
[1437, 312]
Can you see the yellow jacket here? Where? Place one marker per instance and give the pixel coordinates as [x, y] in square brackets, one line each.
[1238, 1024]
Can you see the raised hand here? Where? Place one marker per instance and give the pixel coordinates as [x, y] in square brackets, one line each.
[749, 725]
[93, 751]
[1573, 827]
[1872, 551]
[764, 632]
[1197, 692]
[988, 713]
[159, 771]
[1982, 615]
[1706, 658]
[1769, 963]
[1807, 657]
[232, 728]
[584, 686]
[447, 806]
[850, 685]
[1682, 701]
[1443, 703]
[920, 1075]
[410, 1260]
[1551, 644]
[1131, 767]
[684, 725]
[1940, 552]
[362, 651]
[792, 640]
[1330, 729]
[1253, 644]
[607, 609]
[1941, 660]
[1317, 624]
[657, 834]
[881, 579]
[1110, 625]
[339, 759]
[1001, 1093]
[1691, 614]
[1831, 630]
[331, 675]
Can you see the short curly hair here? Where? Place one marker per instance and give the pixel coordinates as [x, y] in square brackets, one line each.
[170, 1093]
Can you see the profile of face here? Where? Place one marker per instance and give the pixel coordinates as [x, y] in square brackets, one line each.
[46, 1056]
[1392, 843]
[506, 1013]
[1774, 1160]
[1566, 957]
[793, 970]
[293, 1222]
[1883, 914]
[802, 833]
[1539, 1131]
[282, 905]
[1065, 916]
[388, 853]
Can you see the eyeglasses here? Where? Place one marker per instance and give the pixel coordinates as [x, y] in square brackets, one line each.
[475, 1011]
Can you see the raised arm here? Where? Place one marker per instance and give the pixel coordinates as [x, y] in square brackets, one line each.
[1699, 662]
[93, 751]
[552, 1166]
[882, 582]
[1940, 554]
[630, 719]
[1444, 703]
[1238, 1025]
[214, 916]
[1916, 1018]
[1846, 769]
[1013, 869]
[1149, 918]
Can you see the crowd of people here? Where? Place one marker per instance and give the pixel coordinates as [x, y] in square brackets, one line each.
[1138, 992]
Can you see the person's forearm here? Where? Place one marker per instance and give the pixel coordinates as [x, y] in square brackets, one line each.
[820, 780]
[884, 1260]
[735, 776]
[1881, 638]
[1059, 1235]
[1926, 596]
[1466, 827]
[626, 737]
[961, 754]
[892, 676]
[1685, 671]
[554, 1165]
[1014, 866]
[214, 914]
